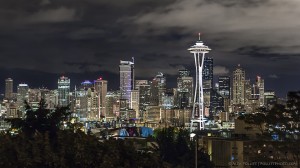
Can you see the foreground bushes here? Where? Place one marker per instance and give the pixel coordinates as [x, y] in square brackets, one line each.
[70, 149]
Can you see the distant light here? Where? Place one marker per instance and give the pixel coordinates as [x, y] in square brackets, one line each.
[192, 135]
[86, 82]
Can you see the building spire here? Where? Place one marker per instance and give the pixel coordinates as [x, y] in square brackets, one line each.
[199, 35]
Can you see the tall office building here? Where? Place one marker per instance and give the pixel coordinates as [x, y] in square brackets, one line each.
[143, 87]
[217, 102]
[270, 99]
[100, 86]
[8, 88]
[157, 89]
[86, 102]
[112, 105]
[134, 103]
[168, 100]
[184, 73]
[248, 91]
[50, 97]
[34, 95]
[207, 73]
[63, 91]
[184, 94]
[207, 79]
[224, 86]
[261, 90]
[224, 90]
[238, 89]
[22, 96]
[126, 79]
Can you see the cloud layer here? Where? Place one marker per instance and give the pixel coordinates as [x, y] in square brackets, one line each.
[63, 36]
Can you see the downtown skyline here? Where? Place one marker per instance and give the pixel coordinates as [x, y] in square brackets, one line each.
[43, 39]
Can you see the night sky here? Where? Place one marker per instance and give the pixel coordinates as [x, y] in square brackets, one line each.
[84, 39]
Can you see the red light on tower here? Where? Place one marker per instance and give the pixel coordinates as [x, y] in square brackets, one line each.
[100, 78]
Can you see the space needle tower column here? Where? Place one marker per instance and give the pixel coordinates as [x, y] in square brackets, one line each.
[198, 50]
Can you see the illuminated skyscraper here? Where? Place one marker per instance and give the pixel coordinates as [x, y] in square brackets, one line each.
[22, 95]
[63, 91]
[217, 102]
[157, 89]
[112, 105]
[184, 95]
[239, 90]
[270, 99]
[144, 95]
[126, 79]
[8, 88]
[198, 50]
[224, 86]
[101, 91]
[207, 76]
[261, 90]
[207, 73]
[134, 103]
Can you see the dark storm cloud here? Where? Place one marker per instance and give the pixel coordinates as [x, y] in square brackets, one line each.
[75, 36]
[84, 66]
[265, 53]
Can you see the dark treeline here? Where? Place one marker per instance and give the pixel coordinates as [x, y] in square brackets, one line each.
[41, 142]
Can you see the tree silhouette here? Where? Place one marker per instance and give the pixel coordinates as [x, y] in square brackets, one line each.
[41, 120]
[282, 121]
[42, 142]
[176, 149]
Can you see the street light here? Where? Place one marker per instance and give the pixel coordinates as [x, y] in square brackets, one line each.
[192, 135]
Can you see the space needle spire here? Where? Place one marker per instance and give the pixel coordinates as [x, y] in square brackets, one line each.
[198, 50]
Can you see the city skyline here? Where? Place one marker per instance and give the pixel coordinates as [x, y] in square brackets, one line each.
[45, 39]
[114, 81]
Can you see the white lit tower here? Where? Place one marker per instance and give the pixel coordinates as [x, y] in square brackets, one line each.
[199, 50]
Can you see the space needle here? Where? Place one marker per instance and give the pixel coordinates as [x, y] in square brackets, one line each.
[199, 50]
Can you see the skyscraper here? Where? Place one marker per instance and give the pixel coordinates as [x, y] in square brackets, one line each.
[63, 91]
[157, 89]
[207, 73]
[134, 102]
[207, 80]
[126, 79]
[261, 90]
[198, 50]
[184, 94]
[144, 95]
[112, 105]
[22, 95]
[217, 102]
[224, 86]
[270, 99]
[224, 90]
[100, 86]
[238, 89]
[8, 88]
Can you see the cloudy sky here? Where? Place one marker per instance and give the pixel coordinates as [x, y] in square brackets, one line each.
[43, 39]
